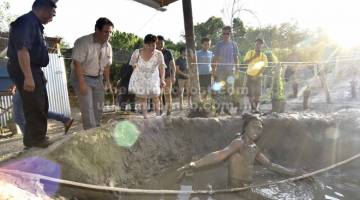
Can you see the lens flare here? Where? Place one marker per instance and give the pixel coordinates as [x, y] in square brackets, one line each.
[126, 134]
[8, 190]
[230, 80]
[38, 165]
[216, 86]
[259, 65]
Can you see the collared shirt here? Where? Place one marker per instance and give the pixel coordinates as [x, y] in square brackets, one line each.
[92, 55]
[27, 31]
[256, 64]
[168, 57]
[226, 52]
[204, 58]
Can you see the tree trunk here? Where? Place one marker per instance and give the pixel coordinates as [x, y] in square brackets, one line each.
[191, 53]
[324, 84]
[278, 93]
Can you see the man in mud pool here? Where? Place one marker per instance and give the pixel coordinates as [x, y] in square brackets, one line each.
[241, 154]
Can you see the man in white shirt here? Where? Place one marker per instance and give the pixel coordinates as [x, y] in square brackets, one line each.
[91, 60]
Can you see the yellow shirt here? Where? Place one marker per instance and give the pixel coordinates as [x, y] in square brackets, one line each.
[255, 66]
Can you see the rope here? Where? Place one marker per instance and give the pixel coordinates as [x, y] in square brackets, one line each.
[171, 192]
[290, 64]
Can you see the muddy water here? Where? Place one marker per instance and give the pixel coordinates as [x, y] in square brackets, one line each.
[339, 184]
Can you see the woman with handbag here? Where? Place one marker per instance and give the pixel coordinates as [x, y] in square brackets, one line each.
[148, 75]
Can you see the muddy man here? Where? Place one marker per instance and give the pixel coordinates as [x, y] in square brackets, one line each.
[241, 154]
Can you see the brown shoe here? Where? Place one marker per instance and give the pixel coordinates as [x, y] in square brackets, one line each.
[68, 125]
[42, 144]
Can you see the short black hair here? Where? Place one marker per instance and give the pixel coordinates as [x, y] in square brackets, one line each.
[182, 49]
[101, 22]
[160, 37]
[150, 38]
[259, 40]
[43, 4]
[247, 117]
[227, 28]
[205, 39]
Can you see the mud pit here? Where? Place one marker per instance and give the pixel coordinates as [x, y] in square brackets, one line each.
[294, 140]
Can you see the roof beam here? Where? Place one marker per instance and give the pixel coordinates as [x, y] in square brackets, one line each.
[152, 3]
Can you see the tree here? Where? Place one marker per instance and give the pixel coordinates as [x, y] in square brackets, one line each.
[5, 16]
[125, 41]
[238, 28]
[211, 28]
[174, 47]
[283, 39]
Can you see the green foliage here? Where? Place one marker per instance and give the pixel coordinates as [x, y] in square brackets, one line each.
[115, 69]
[64, 47]
[283, 39]
[5, 16]
[238, 28]
[211, 28]
[125, 41]
[174, 48]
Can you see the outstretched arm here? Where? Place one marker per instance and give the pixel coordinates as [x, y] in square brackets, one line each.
[214, 157]
[274, 167]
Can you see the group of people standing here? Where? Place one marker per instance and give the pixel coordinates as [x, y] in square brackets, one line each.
[154, 71]
[225, 64]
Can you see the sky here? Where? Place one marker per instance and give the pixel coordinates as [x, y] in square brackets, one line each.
[76, 18]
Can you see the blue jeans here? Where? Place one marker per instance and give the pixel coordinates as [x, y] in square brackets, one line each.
[91, 104]
[19, 118]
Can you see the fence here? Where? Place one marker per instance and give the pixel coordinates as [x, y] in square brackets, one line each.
[56, 87]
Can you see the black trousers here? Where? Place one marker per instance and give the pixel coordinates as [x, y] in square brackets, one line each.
[124, 99]
[36, 106]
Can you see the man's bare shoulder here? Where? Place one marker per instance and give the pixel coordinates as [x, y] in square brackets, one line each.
[238, 142]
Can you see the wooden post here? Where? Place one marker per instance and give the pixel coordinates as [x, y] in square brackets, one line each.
[191, 53]
[307, 93]
[278, 94]
[353, 89]
[322, 76]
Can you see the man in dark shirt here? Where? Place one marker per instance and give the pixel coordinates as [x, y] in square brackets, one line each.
[170, 71]
[27, 52]
[183, 77]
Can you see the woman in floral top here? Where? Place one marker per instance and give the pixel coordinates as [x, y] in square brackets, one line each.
[148, 75]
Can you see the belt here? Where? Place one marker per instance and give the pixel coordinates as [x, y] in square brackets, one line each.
[93, 76]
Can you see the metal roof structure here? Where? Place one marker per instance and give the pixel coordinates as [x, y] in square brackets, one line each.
[156, 4]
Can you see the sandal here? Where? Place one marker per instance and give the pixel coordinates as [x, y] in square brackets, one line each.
[67, 127]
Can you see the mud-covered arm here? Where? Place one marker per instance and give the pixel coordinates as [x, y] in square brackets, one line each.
[274, 167]
[214, 157]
